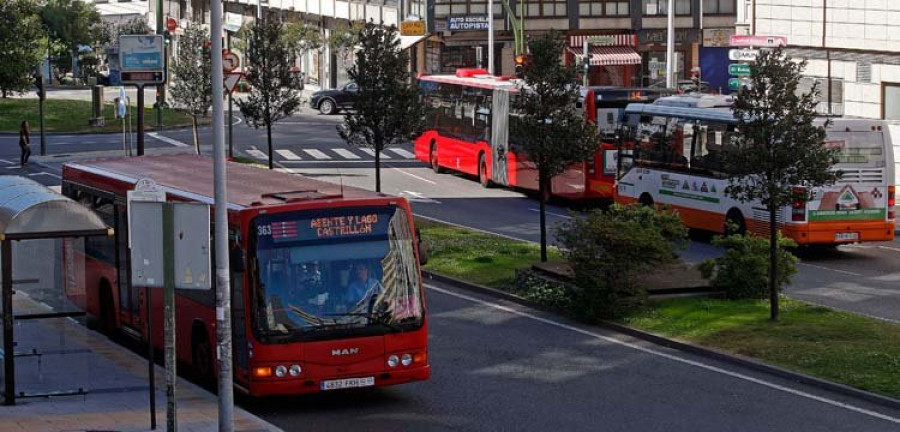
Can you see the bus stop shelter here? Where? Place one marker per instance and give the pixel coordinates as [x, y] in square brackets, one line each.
[31, 211]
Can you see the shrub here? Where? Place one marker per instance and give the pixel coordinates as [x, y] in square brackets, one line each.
[609, 249]
[743, 271]
[541, 290]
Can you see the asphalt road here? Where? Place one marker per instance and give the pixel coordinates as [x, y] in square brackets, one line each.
[502, 367]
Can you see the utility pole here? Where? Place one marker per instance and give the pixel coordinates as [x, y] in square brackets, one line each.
[223, 276]
[491, 37]
[670, 47]
[160, 89]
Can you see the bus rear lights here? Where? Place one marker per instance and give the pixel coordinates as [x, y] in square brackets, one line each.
[393, 361]
[295, 370]
[281, 371]
[262, 372]
[891, 202]
[798, 207]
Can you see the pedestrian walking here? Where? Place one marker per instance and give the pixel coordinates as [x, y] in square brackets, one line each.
[24, 141]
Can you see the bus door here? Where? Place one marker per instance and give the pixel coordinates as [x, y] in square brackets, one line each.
[240, 349]
[500, 137]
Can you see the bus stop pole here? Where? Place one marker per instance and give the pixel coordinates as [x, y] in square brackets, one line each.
[169, 293]
[9, 367]
[223, 279]
[151, 365]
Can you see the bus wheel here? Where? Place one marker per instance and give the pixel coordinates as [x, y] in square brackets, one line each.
[433, 157]
[482, 173]
[201, 355]
[107, 309]
[646, 200]
[734, 223]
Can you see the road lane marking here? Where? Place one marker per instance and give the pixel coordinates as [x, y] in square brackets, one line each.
[889, 248]
[44, 173]
[167, 140]
[257, 154]
[317, 154]
[371, 152]
[551, 213]
[346, 154]
[360, 161]
[7, 162]
[402, 153]
[287, 154]
[506, 236]
[411, 174]
[830, 269]
[419, 197]
[672, 357]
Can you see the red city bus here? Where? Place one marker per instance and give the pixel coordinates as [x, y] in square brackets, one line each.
[326, 285]
[605, 107]
[468, 131]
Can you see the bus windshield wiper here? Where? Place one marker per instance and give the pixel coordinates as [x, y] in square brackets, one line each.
[376, 317]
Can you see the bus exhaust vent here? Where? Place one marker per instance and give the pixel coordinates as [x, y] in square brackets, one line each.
[301, 195]
[760, 222]
[862, 175]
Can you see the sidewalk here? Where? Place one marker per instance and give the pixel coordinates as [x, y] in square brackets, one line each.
[114, 379]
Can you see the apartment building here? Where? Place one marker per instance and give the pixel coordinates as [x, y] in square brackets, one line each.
[850, 47]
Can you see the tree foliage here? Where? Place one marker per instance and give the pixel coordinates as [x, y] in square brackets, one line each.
[302, 38]
[108, 33]
[344, 38]
[607, 250]
[387, 109]
[192, 76]
[779, 148]
[71, 23]
[548, 128]
[269, 60]
[20, 45]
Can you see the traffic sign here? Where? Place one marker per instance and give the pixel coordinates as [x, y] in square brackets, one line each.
[739, 69]
[171, 24]
[743, 54]
[757, 41]
[734, 83]
[230, 61]
[231, 81]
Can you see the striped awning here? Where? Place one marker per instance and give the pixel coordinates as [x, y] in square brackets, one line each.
[629, 40]
[614, 56]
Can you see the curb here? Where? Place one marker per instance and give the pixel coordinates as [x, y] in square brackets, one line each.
[38, 134]
[686, 347]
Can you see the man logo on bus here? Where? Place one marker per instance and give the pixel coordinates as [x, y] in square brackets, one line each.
[345, 351]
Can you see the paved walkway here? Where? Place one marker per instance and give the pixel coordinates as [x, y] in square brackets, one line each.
[114, 378]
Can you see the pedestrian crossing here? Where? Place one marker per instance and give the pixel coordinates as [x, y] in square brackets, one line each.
[332, 155]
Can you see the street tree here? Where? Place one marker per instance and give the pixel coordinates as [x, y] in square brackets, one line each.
[302, 38]
[272, 97]
[780, 155]
[108, 33]
[344, 39]
[71, 23]
[192, 76]
[20, 46]
[548, 128]
[387, 109]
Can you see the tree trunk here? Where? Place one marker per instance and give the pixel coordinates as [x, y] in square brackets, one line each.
[196, 133]
[773, 263]
[543, 191]
[269, 138]
[377, 168]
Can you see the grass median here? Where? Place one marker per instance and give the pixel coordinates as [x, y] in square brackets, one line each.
[72, 116]
[837, 346]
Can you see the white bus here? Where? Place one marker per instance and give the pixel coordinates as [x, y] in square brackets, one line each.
[674, 158]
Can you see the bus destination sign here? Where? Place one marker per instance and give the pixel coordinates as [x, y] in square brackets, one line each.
[322, 226]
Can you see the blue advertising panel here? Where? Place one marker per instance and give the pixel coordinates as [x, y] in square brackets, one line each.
[141, 53]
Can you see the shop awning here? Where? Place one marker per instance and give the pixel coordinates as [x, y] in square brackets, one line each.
[408, 41]
[614, 56]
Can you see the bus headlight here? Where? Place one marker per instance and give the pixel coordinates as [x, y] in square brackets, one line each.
[280, 371]
[295, 370]
[393, 361]
[406, 360]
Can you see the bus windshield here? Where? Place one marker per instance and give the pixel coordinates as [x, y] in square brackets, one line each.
[345, 271]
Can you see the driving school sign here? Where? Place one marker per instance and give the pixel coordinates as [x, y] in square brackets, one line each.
[467, 23]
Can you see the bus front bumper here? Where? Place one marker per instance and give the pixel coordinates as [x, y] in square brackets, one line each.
[841, 232]
[302, 385]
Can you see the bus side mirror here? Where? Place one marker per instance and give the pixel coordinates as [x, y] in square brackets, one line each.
[236, 258]
[423, 248]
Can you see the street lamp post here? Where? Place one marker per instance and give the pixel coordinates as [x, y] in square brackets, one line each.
[491, 37]
[670, 47]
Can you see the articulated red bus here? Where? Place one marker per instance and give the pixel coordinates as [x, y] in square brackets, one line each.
[327, 291]
[468, 130]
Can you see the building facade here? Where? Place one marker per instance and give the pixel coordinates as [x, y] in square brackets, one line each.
[849, 46]
[633, 56]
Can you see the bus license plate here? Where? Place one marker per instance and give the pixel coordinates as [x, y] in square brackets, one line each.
[348, 383]
[851, 236]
